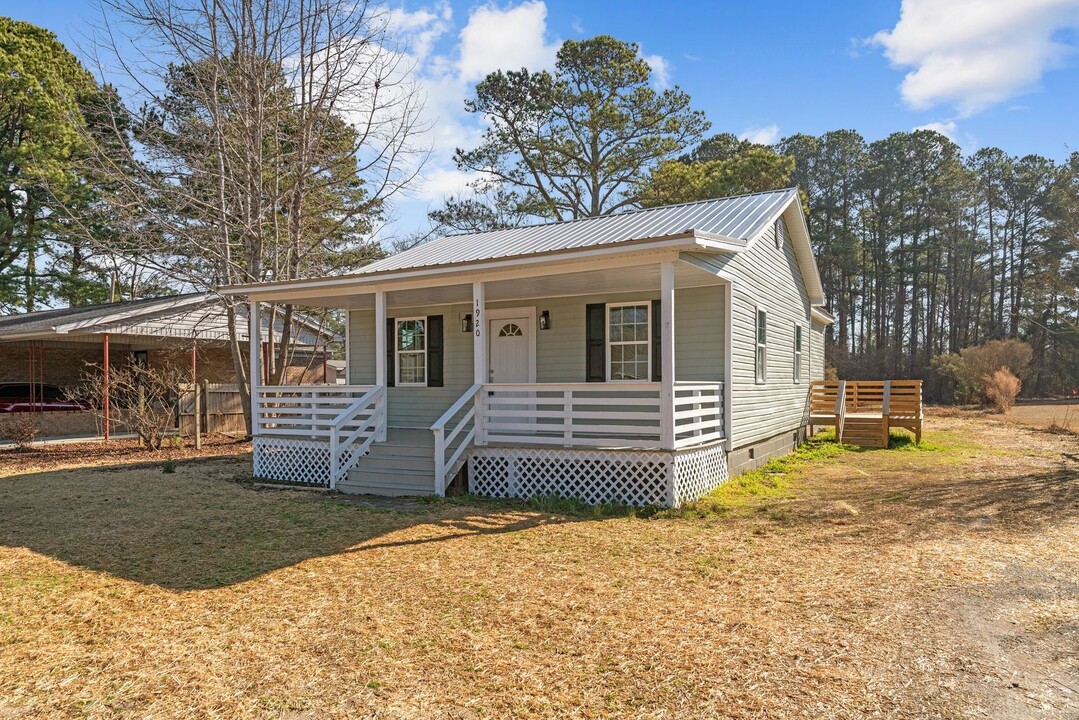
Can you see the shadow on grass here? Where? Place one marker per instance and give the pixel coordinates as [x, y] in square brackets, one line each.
[199, 528]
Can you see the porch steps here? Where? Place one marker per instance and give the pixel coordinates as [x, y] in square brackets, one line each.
[403, 465]
[865, 430]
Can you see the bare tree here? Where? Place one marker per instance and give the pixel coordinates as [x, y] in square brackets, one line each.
[262, 139]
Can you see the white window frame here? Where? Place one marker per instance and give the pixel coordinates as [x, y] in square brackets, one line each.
[760, 366]
[607, 337]
[799, 337]
[398, 352]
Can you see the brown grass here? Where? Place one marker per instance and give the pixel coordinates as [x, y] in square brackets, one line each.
[885, 583]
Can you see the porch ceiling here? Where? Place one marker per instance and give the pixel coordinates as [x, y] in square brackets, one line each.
[599, 281]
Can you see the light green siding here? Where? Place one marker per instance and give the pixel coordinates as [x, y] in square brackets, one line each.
[560, 351]
[768, 277]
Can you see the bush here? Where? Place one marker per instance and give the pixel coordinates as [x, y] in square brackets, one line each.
[148, 396]
[1002, 387]
[22, 431]
[968, 371]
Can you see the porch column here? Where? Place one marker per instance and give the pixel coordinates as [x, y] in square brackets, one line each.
[479, 354]
[380, 355]
[254, 370]
[666, 305]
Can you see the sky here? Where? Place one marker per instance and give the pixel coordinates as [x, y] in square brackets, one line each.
[1001, 73]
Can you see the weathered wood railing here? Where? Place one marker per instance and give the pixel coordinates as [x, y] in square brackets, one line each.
[451, 446]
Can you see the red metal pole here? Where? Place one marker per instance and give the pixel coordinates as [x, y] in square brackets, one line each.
[105, 339]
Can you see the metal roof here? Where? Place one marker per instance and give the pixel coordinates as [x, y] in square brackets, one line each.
[739, 218]
[191, 315]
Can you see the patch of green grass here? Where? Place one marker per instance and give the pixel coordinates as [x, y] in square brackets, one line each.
[575, 507]
[770, 481]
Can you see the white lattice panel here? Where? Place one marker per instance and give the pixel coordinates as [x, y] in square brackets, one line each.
[594, 476]
[696, 472]
[292, 460]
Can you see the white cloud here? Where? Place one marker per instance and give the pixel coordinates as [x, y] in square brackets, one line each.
[972, 54]
[421, 29]
[762, 135]
[576, 25]
[442, 182]
[661, 70]
[947, 128]
[505, 39]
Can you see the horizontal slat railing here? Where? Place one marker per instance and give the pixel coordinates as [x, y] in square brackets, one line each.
[598, 414]
[303, 410]
[451, 446]
[698, 413]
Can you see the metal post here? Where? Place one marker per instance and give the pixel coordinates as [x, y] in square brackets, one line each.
[105, 352]
[195, 389]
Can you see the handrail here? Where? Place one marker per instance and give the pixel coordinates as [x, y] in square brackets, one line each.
[446, 416]
[840, 410]
[342, 440]
[443, 465]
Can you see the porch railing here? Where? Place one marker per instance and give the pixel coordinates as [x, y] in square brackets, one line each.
[698, 413]
[598, 415]
[348, 418]
[451, 444]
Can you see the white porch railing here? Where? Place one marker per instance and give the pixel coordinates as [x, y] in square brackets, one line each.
[698, 413]
[345, 419]
[451, 446]
[598, 414]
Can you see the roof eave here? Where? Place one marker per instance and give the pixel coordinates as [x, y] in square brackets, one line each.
[688, 240]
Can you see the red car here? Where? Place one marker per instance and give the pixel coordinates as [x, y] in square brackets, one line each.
[35, 397]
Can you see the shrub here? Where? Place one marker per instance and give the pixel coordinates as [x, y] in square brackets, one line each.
[22, 431]
[1002, 387]
[169, 466]
[968, 371]
[149, 398]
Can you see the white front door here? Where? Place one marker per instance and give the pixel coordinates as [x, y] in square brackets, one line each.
[510, 359]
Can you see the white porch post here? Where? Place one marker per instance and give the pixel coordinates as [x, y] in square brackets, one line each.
[380, 358]
[479, 355]
[254, 370]
[666, 305]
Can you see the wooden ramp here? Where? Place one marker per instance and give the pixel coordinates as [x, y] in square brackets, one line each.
[863, 412]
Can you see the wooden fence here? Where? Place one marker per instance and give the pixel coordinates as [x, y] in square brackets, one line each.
[219, 405]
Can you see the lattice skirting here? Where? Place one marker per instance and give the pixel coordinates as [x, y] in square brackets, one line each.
[598, 476]
[292, 460]
[697, 472]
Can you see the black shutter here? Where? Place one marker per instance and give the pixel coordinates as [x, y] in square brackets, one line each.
[657, 343]
[391, 352]
[595, 322]
[434, 351]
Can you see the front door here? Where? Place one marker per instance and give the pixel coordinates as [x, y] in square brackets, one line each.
[510, 359]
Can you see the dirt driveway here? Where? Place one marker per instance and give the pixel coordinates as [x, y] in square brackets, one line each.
[940, 581]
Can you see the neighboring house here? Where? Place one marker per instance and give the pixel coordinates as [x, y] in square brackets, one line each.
[542, 358]
[56, 347]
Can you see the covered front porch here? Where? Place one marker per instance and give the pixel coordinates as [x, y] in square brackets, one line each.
[540, 380]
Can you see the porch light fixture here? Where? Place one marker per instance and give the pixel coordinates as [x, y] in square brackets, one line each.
[466, 323]
[545, 320]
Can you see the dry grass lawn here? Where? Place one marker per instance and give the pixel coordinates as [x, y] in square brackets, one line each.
[932, 582]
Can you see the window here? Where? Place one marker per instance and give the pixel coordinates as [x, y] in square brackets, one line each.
[762, 346]
[411, 349]
[629, 333]
[797, 353]
[510, 330]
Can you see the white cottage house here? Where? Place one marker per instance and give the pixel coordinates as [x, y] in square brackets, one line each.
[641, 357]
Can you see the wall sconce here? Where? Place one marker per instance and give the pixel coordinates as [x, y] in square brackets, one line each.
[545, 320]
[466, 323]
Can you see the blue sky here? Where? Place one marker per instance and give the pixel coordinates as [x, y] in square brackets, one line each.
[986, 72]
